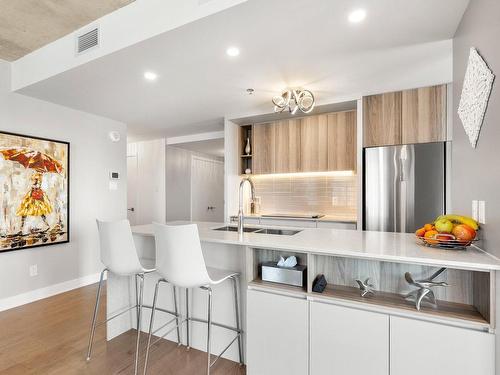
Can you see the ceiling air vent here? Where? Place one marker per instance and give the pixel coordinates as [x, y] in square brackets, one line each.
[87, 41]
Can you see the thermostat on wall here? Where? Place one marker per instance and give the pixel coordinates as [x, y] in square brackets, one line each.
[114, 176]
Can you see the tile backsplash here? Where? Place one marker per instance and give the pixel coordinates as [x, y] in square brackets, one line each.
[324, 194]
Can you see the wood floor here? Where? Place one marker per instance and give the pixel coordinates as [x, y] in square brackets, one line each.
[50, 337]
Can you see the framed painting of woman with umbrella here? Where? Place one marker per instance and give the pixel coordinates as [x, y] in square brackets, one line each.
[34, 192]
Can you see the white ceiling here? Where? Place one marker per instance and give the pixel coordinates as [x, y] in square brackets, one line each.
[26, 25]
[283, 43]
[214, 147]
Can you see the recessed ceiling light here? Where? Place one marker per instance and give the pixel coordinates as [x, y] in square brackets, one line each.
[357, 15]
[233, 51]
[150, 76]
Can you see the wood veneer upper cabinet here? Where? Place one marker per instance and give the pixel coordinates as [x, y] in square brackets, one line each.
[342, 141]
[314, 143]
[264, 148]
[382, 119]
[287, 146]
[424, 115]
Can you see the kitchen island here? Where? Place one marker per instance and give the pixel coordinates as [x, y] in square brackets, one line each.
[379, 324]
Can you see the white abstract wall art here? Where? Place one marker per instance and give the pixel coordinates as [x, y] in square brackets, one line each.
[476, 92]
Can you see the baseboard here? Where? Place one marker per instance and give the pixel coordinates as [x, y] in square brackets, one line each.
[51, 290]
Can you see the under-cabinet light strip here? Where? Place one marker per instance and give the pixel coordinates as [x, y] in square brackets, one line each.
[306, 174]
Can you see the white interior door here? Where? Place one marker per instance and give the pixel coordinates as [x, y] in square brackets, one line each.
[132, 188]
[207, 190]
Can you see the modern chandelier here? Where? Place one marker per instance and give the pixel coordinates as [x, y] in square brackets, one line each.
[293, 100]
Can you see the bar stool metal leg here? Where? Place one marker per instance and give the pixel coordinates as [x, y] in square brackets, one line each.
[94, 318]
[209, 329]
[136, 279]
[151, 325]
[139, 317]
[238, 317]
[188, 341]
[177, 320]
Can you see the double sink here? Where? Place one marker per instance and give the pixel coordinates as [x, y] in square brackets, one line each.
[279, 232]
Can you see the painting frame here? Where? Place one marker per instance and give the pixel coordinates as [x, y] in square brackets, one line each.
[68, 191]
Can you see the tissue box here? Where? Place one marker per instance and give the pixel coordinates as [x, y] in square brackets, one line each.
[295, 276]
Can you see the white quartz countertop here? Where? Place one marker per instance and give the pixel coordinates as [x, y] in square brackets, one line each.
[384, 246]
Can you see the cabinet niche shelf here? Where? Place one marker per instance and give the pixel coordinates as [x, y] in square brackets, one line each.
[245, 161]
[467, 299]
[393, 300]
[258, 282]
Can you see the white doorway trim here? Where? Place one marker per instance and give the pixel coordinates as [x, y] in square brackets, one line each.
[195, 157]
[195, 138]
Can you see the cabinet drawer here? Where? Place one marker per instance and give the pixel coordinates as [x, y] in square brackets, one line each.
[419, 347]
[277, 334]
[348, 341]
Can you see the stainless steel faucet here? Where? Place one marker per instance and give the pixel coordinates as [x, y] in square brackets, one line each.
[240, 211]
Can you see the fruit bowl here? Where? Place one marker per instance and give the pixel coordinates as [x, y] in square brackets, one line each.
[451, 232]
[447, 244]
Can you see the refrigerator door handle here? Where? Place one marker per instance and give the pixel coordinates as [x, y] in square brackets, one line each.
[403, 163]
[396, 189]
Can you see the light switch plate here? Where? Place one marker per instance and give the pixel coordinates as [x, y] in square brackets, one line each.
[475, 210]
[113, 185]
[33, 270]
[482, 212]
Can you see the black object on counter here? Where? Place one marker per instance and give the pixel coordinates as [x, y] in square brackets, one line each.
[319, 284]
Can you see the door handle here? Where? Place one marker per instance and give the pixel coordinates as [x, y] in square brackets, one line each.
[131, 209]
[209, 208]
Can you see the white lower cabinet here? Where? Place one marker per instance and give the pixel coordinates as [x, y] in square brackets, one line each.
[277, 334]
[347, 341]
[419, 347]
[293, 336]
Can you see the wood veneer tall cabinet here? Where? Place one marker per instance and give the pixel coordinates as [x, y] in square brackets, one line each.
[287, 146]
[264, 154]
[318, 143]
[405, 117]
[424, 115]
[314, 143]
[342, 141]
[382, 119]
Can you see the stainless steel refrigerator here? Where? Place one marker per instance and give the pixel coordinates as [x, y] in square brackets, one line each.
[404, 186]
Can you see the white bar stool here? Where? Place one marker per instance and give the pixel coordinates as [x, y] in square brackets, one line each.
[119, 256]
[180, 262]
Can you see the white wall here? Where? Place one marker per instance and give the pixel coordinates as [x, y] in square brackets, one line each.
[92, 157]
[476, 174]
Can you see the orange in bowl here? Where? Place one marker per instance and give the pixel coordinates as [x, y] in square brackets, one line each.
[430, 237]
[420, 232]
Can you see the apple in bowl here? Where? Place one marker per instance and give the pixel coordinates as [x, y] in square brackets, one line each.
[464, 233]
